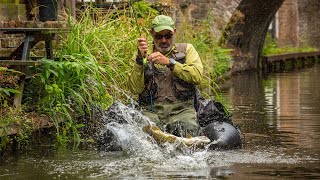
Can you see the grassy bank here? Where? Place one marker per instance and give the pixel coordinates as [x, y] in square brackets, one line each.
[95, 59]
[271, 48]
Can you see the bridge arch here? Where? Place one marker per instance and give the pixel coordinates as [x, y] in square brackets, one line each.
[247, 29]
[243, 24]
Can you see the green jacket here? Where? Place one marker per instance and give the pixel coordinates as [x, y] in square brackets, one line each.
[190, 72]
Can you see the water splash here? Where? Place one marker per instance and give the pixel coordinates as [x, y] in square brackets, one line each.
[126, 123]
[123, 128]
[134, 141]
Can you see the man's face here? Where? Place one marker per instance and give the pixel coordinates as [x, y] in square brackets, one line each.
[163, 40]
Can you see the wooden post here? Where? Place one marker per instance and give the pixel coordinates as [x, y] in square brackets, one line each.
[70, 5]
[73, 8]
[282, 65]
[293, 64]
[303, 62]
[269, 67]
[274, 66]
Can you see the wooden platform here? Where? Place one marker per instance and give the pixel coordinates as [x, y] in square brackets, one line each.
[281, 62]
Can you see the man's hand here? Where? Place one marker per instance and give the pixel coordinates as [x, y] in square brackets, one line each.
[158, 58]
[142, 46]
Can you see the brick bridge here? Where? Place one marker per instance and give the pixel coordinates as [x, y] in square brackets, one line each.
[243, 24]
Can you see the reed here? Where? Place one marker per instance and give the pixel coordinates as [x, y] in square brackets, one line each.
[94, 61]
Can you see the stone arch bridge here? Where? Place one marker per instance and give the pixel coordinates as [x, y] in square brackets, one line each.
[243, 24]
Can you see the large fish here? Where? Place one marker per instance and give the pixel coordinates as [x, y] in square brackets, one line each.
[163, 137]
[217, 134]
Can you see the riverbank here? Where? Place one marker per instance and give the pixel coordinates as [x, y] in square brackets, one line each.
[18, 127]
[281, 141]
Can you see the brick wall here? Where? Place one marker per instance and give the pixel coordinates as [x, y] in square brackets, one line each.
[288, 24]
[14, 14]
[13, 11]
[9, 12]
[309, 18]
[219, 11]
[299, 22]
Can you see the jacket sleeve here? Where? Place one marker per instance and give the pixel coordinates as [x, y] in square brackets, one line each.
[192, 70]
[136, 79]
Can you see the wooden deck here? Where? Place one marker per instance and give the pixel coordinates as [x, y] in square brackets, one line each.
[290, 61]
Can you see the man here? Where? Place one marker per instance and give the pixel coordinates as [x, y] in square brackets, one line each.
[166, 80]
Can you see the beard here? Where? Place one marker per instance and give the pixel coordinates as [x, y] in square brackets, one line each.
[163, 47]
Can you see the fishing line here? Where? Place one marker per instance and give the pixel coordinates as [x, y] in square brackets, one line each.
[136, 20]
[135, 17]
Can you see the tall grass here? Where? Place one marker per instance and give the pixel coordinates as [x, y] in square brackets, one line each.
[94, 62]
[216, 60]
[110, 40]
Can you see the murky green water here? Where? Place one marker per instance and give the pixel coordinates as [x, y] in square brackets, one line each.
[279, 116]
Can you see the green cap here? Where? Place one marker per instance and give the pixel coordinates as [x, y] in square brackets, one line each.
[162, 22]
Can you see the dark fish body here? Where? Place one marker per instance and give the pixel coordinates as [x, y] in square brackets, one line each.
[223, 135]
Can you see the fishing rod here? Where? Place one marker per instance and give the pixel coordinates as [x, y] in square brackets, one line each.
[144, 55]
[135, 17]
[148, 66]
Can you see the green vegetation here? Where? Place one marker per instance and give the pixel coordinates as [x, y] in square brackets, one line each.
[8, 82]
[271, 48]
[14, 120]
[216, 60]
[94, 60]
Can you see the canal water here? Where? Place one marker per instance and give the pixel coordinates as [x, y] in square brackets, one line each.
[279, 115]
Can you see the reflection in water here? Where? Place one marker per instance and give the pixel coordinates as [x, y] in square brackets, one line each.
[281, 111]
[279, 116]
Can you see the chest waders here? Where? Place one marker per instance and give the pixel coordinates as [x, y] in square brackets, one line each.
[161, 84]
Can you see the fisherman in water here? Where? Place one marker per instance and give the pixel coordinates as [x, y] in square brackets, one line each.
[165, 77]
